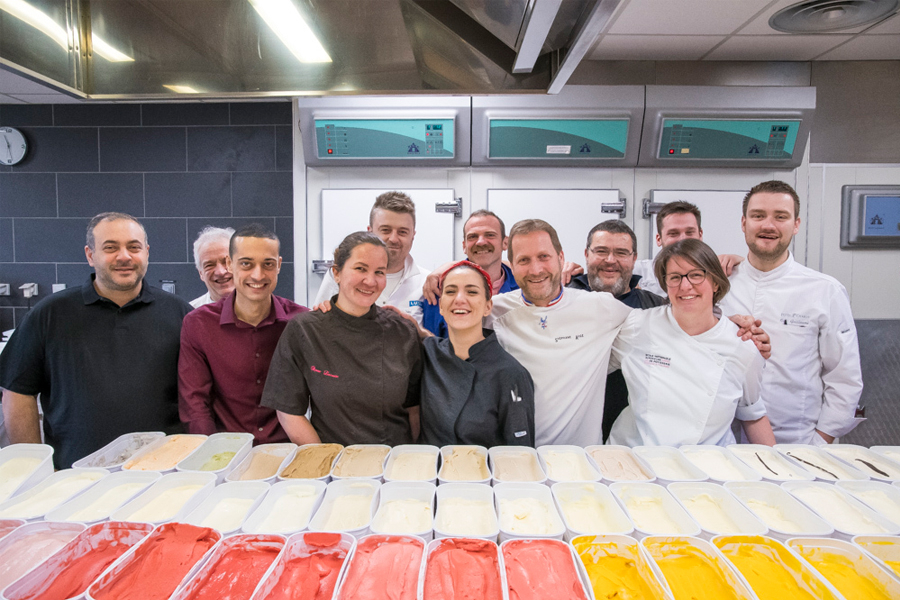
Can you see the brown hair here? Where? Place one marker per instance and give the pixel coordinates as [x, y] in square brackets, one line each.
[676, 208]
[527, 226]
[394, 202]
[700, 255]
[252, 230]
[345, 248]
[773, 187]
[613, 226]
[486, 213]
[465, 264]
[110, 216]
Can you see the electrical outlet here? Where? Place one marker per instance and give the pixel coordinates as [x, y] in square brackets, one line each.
[168, 285]
[58, 287]
[29, 289]
[4, 289]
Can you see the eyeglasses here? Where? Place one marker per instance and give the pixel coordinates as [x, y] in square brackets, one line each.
[616, 252]
[696, 277]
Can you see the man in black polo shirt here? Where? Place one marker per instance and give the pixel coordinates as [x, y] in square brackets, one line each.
[103, 357]
[610, 256]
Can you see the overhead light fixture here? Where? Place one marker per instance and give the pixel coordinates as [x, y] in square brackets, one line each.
[824, 16]
[283, 19]
[43, 23]
[182, 89]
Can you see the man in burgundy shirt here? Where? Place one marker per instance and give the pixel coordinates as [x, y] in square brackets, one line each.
[226, 346]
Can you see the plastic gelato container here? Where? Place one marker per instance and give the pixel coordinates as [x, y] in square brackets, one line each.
[406, 508]
[890, 452]
[769, 463]
[885, 550]
[566, 463]
[716, 510]
[847, 515]
[7, 526]
[309, 567]
[262, 463]
[694, 568]
[287, 508]
[228, 506]
[526, 510]
[874, 465]
[104, 498]
[464, 464]
[462, 568]
[348, 507]
[881, 497]
[618, 463]
[773, 570]
[51, 493]
[381, 567]
[23, 466]
[653, 510]
[69, 572]
[543, 568]
[669, 464]
[169, 499]
[466, 510]
[784, 515]
[113, 455]
[219, 454]
[820, 463]
[618, 566]
[719, 464]
[400, 467]
[515, 464]
[361, 460]
[164, 453]
[311, 461]
[590, 509]
[30, 545]
[848, 568]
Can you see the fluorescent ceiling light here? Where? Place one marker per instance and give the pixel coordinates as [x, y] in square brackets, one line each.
[43, 23]
[282, 18]
[182, 89]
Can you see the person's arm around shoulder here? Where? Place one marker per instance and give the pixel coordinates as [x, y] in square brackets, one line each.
[20, 415]
[432, 288]
[194, 380]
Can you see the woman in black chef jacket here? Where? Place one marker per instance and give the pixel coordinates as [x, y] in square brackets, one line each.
[473, 391]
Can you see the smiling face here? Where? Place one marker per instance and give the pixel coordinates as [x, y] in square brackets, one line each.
[678, 226]
[687, 297]
[464, 299]
[482, 241]
[255, 265]
[769, 225]
[397, 230]
[362, 279]
[537, 267]
[214, 269]
[610, 262]
[119, 255]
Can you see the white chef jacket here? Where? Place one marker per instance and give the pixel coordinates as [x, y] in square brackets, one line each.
[566, 349]
[644, 268]
[684, 389]
[407, 296]
[202, 300]
[813, 378]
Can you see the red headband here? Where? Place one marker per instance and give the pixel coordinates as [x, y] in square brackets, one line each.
[466, 263]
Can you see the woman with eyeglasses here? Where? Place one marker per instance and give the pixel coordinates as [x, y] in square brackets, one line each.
[688, 373]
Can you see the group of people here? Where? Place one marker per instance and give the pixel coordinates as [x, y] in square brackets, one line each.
[528, 351]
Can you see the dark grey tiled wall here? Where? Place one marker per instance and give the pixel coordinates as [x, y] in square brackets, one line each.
[177, 167]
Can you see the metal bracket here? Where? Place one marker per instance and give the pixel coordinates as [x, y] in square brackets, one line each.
[614, 207]
[454, 206]
[320, 267]
[651, 208]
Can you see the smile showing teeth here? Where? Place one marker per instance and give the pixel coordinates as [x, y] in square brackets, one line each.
[687, 297]
[257, 286]
[460, 311]
[366, 292]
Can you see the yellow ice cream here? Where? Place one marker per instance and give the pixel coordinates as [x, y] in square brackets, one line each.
[172, 452]
[708, 511]
[516, 466]
[894, 564]
[691, 574]
[218, 461]
[465, 464]
[13, 472]
[165, 506]
[413, 466]
[842, 574]
[361, 461]
[613, 571]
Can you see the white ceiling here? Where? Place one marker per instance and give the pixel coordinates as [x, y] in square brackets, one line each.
[15, 89]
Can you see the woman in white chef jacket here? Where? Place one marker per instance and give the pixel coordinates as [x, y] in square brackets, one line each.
[688, 373]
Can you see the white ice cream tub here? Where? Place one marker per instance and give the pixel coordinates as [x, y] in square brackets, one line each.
[743, 519]
[888, 502]
[26, 531]
[7, 526]
[890, 452]
[565, 492]
[249, 493]
[808, 523]
[111, 457]
[684, 524]
[765, 460]
[378, 476]
[875, 465]
[346, 487]
[405, 490]
[595, 452]
[824, 466]
[405, 448]
[501, 451]
[535, 491]
[144, 479]
[256, 522]
[447, 452]
[669, 464]
[156, 445]
[466, 491]
[592, 473]
[863, 564]
[882, 549]
[695, 455]
[206, 481]
[283, 451]
[218, 443]
[20, 507]
[296, 547]
[39, 472]
[836, 496]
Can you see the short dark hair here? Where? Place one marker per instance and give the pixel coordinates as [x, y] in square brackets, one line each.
[698, 253]
[486, 213]
[675, 208]
[345, 248]
[527, 226]
[253, 230]
[394, 202]
[613, 226]
[773, 186]
[110, 216]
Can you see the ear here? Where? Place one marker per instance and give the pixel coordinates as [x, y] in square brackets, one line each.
[701, 233]
[658, 240]
[278, 268]
[89, 255]
[489, 305]
[796, 226]
[505, 244]
[744, 224]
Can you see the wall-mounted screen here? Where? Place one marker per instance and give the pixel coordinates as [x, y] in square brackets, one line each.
[870, 216]
[737, 139]
[882, 216]
[414, 139]
[558, 138]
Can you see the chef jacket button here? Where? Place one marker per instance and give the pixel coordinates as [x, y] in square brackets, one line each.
[709, 393]
[260, 428]
[257, 355]
[259, 381]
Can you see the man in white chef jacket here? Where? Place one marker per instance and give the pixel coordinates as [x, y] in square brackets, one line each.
[812, 383]
[393, 219]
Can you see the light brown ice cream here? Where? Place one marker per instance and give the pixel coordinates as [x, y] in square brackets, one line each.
[516, 466]
[173, 451]
[361, 461]
[312, 462]
[619, 465]
[262, 466]
[465, 463]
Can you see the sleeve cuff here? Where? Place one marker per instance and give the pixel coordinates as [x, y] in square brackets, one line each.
[755, 411]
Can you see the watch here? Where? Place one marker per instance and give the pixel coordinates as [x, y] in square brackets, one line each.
[12, 146]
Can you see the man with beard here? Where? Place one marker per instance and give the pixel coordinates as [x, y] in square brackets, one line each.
[610, 256]
[210, 256]
[103, 356]
[393, 219]
[812, 383]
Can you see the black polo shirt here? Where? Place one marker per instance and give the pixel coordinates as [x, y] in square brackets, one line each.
[101, 370]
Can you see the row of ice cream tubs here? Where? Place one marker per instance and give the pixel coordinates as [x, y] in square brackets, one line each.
[136, 561]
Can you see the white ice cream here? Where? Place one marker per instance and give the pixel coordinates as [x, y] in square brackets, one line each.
[709, 512]
[352, 511]
[290, 512]
[461, 516]
[228, 514]
[403, 516]
[882, 503]
[587, 514]
[165, 506]
[768, 463]
[649, 514]
[567, 466]
[820, 464]
[103, 506]
[13, 472]
[717, 465]
[833, 506]
[668, 468]
[413, 466]
[526, 516]
[51, 497]
[773, 516]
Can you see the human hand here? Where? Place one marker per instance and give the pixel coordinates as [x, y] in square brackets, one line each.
[423, 333]
[729, 262]
[569, 271]
[432, 288]
[323, 306]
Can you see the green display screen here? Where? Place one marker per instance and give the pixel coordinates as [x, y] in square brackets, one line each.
[574, 139]
[742, 139]
[414, 139]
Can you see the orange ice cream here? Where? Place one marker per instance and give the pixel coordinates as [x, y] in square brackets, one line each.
[613, 571]
[842, 574]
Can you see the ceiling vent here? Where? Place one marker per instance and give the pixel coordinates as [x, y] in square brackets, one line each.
[824, 16]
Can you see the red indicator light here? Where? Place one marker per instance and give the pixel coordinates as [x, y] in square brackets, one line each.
[330, 151]
[671, 151]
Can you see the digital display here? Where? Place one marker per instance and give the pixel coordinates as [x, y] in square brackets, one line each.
[882, 216]
[740, 139]
[571, 139]
[415, 139]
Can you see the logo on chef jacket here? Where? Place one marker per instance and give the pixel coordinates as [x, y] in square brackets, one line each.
[658, 360]
[321, 372]
[416, 303]
[795, 319]
[543, 322]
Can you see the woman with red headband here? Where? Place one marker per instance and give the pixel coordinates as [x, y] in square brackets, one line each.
[473, 391]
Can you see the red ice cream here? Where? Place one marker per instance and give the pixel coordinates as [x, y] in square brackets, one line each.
[384, 567]
[463, 569]
[311, 574]
[541, 569]
[238, 570]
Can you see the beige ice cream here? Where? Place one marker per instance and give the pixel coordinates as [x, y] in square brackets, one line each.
[103, 506]
[170, 453]
[413, 466]
[668, 468]
[465, 464]
[312, 462]
[361, 461]
[13, 472]
[881, 502]
[403, 516]
[833, 506]
[464, 517]
[526, 516]
[868, 462]
[165, 506]
[773, 516]
[291, 511]
[717, 465]
[52, 496]
[586, 513]
[567, 466]
[820, 464]
[348, 512]
[708, 511]
[263, 465]
[768, 463]
[228, 514]
[516, 466]
[619, 465]
[649, 514]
